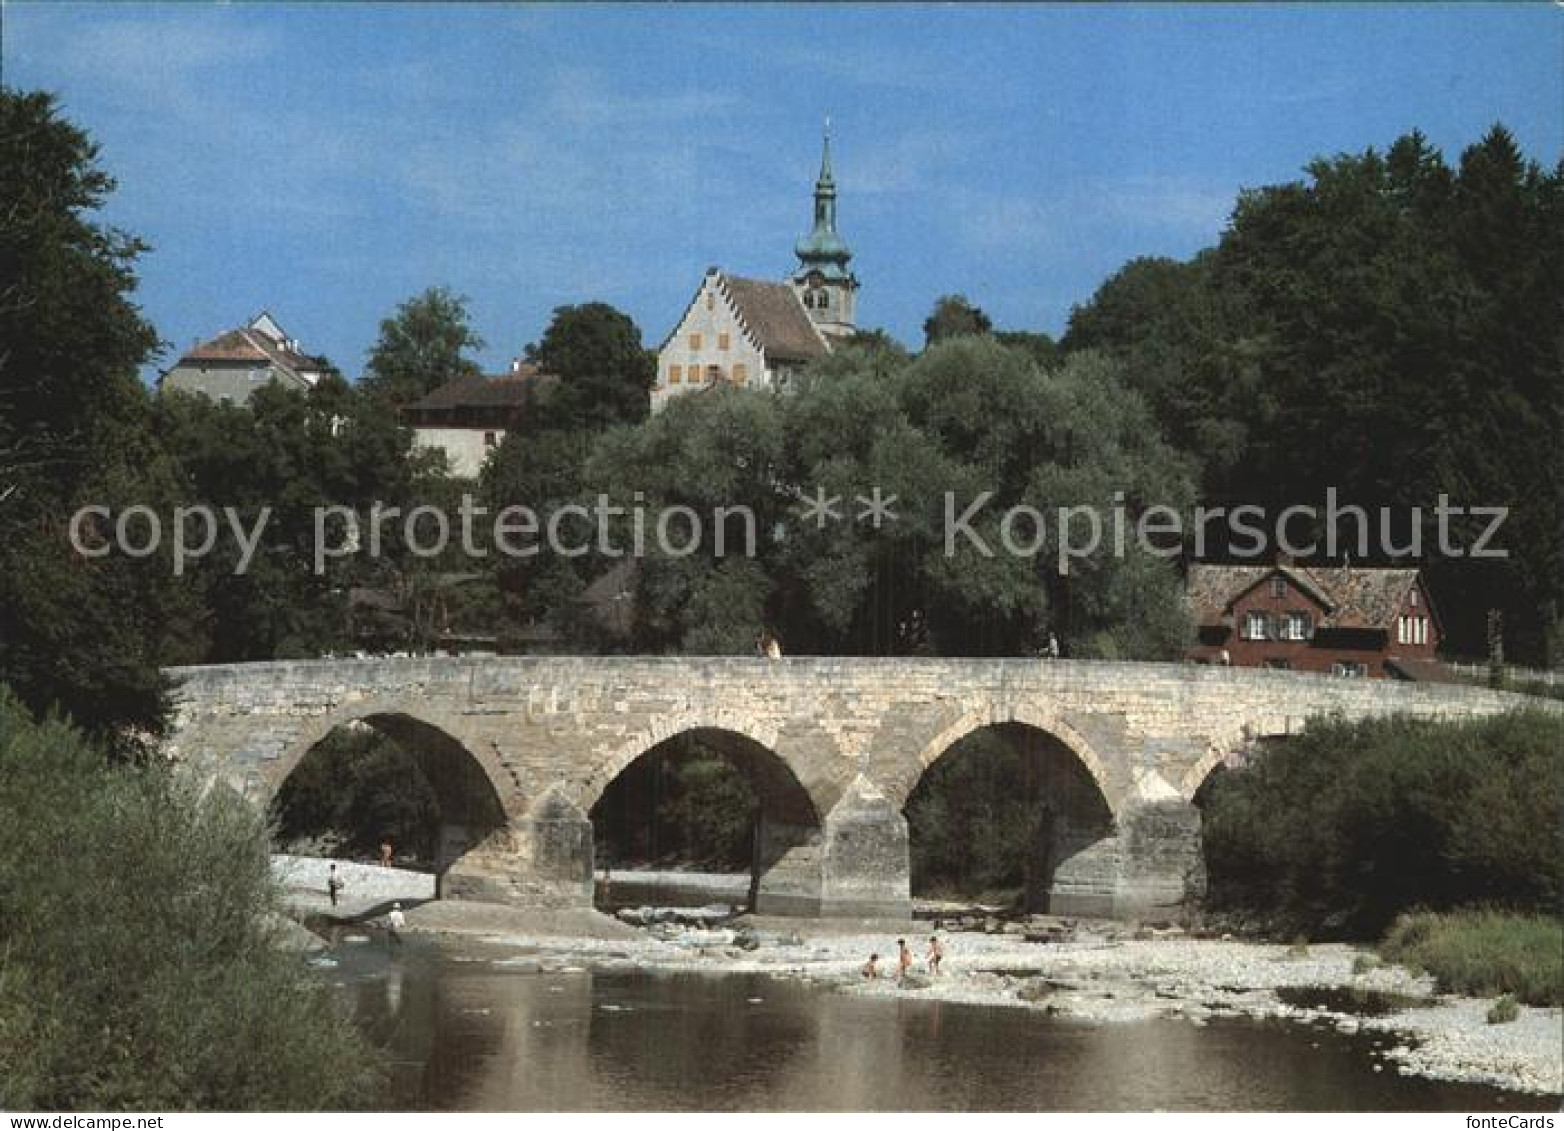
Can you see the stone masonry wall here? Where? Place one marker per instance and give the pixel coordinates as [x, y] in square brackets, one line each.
[550, 733]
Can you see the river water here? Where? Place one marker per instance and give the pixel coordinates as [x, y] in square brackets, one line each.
[465, 1031]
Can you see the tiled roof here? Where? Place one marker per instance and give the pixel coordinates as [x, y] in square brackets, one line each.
[1212, 588]
[250, 347]
[511, 390]
[1366, 598]
[1422, 671]
[235, 345]
[1353, 597]
[772, 313]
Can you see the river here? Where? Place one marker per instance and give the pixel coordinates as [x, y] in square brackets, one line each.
[467, 1029]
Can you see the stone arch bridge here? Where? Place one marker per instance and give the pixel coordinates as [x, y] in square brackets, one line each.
[519, 749]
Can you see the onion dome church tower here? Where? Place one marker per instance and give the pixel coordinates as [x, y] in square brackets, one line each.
[823, 282]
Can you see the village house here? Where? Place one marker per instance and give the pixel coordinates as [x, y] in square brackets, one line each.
[467, 418]
[230, 367]
[750, 332]
[1345, 620]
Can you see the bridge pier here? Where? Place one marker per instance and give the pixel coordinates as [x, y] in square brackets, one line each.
[542, 859]
[864, 869]
[786, 878]
[1146, 866]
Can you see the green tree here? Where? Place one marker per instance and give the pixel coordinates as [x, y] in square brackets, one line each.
[87, 635]
[422, 347]
[141, 950]
[604, 374]
[1343, 827]
[1390, 327]
[952, 317]
[968, 417]
[289, 454]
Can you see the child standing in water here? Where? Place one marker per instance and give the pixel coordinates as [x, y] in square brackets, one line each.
[936, 954]
[871, 969]
[903, 959]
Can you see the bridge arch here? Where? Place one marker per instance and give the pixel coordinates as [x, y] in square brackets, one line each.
[1217, 755]
[1034, 718]
[751, 735]
[1037, 800]
[781, 847]
[474, 793]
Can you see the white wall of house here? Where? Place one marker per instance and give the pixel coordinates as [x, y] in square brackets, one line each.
[709, 336]
[465, 448]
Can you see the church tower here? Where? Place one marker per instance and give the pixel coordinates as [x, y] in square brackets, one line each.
[823, 282]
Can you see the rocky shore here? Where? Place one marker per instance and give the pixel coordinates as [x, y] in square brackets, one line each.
[1096, 972]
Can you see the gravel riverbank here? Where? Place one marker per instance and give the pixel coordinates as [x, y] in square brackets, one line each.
[1091, 972]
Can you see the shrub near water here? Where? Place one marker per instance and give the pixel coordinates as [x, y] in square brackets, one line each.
[1484, 953]
[1338, 830]
[138, 969]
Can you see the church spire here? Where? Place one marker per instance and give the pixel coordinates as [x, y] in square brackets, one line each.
[825, 192]
[826, 181]
[824, 282]
[823, 248]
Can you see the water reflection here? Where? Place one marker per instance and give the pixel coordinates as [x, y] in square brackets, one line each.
[467, 1032]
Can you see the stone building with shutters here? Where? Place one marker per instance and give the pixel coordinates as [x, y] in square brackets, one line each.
[755, 333]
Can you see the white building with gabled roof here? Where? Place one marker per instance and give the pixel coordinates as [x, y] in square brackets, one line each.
[750, 332]
[740, 331]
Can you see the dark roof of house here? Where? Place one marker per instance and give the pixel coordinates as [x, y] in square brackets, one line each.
[1366, 598]
[508, 391]
[776, 319]
[1352, 596]
[250, 346]
[1421, 671]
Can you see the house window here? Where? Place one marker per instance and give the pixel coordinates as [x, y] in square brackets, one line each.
[740, 373]
[714, 373]
[1256, 626]
[1412, 598]
[711, 301]
[695, 341]
[1278, 663]
[675, 374]
[1349, 669]
[1295, 626]
[722, 341]
[490, 439]
[1419, 630]
[1278, 586]
[1401, 630]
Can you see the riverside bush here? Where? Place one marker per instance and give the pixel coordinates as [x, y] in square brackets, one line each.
[1338, 830]
[139, 964]
[1484, 953]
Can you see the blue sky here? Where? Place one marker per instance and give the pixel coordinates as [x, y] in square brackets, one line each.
[326, 162]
